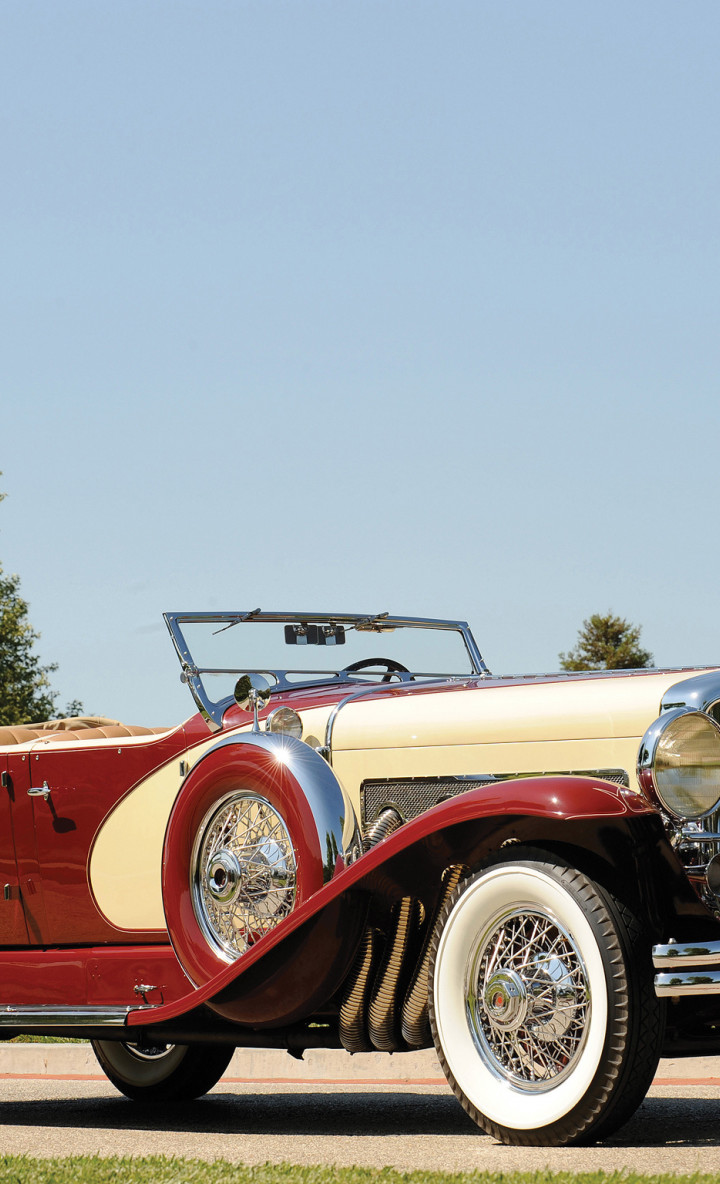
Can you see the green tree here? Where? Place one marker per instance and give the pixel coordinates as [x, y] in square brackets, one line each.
[25, 691]
[607, 643]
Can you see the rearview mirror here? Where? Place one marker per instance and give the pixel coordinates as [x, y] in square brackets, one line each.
[303, 634]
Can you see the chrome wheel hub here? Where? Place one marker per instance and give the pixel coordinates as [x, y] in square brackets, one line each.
[224, 877]
[505, 1000]
[244, 872]
[527, 999]
[149, 1052]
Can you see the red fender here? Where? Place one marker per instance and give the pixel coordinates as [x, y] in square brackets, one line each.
[287, 952]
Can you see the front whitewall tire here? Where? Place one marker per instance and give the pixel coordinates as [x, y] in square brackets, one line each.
[530, 1000]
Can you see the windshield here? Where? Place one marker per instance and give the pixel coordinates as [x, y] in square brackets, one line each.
[295, 649]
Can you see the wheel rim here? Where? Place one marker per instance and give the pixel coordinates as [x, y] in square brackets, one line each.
[243, 874]
[527, 998]
[147, 1052]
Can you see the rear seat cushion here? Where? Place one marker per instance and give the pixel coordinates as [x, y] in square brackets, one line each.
[86, 727]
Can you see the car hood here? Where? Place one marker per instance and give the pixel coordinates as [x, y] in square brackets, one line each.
[501, 710]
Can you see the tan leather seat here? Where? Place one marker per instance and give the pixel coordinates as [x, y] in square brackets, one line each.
[17, 734]
[107, 732]
[84, 727]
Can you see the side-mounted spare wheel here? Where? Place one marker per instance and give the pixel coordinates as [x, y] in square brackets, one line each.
[260, 824]
[541, 1003]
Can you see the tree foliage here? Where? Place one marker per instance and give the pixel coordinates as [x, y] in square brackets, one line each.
[25, 692]
[607, 643]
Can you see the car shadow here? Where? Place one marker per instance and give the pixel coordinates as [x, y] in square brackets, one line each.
[316, 1113]
[670, 1121]
[660, 1122]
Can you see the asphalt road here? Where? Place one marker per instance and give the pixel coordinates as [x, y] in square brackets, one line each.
[399, 1124]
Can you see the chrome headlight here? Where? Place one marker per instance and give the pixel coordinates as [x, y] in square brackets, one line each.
[286, 721]
[679, 763]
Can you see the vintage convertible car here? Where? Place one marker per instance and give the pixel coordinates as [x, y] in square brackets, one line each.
[364, 840]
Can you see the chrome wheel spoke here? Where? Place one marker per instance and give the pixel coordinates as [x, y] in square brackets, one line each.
[244, 875]
[527, 998]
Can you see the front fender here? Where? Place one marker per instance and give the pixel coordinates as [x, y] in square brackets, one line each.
[612, 826]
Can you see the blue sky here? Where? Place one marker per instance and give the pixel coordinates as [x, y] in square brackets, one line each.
[357, 306]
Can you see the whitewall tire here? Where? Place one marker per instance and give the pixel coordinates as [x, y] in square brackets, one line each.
[541, 1003]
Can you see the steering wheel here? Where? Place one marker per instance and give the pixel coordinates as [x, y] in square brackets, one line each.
[391, 666]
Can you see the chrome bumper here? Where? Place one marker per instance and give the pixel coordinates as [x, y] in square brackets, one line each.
[692, 969]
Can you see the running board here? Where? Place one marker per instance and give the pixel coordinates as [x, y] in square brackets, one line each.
[29, 1018]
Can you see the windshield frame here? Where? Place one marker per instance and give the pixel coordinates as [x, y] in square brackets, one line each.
[213, 710]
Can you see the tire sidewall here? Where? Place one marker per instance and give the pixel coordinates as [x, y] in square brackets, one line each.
[487, 1092]
[121, 1063]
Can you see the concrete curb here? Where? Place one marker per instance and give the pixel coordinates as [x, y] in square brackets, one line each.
[248, 1064]
[318, 1065]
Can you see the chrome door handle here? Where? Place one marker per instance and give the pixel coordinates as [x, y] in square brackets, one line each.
[35, 792]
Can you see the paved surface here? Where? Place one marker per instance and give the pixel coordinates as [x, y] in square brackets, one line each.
[54, 1104]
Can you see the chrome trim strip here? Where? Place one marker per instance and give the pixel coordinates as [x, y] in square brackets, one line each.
[705, 953]
[326, 750]
[697, 983]
[53, 1017]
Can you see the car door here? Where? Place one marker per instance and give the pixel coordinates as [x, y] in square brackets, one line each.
[13, 927]
[63, 793]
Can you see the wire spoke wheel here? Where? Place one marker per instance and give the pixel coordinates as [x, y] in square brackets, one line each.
[542, 1006]
[244, 872]
[528, 998]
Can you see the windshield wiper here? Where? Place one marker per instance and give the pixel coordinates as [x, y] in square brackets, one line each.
[245, 617]
[373, 624]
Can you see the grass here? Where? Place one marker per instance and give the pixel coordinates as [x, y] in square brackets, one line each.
[45, 1040]
[22, 1169]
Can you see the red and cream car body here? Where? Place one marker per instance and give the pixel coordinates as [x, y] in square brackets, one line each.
[381, 853]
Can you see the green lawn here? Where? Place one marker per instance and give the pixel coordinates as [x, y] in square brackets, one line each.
[22, 1169]
[45, 1040]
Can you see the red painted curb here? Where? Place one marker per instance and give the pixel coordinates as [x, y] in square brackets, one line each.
[320, 1081]
[241, 1080]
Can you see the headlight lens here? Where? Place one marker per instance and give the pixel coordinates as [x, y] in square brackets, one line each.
[686, 766]
[286, 721]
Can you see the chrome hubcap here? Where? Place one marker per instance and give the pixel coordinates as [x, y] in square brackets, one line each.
[528, 999]
[224, 878]
[505, 1000]
[244, 876]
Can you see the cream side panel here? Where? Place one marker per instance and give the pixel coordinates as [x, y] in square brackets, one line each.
[528, 712]
[126, 858]
[560, 756]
